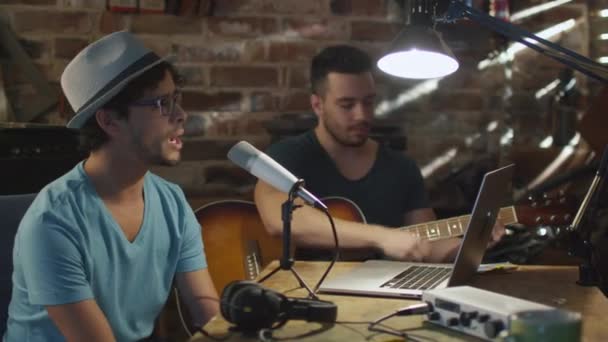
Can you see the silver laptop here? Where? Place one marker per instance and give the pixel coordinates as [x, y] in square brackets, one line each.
[408, 279]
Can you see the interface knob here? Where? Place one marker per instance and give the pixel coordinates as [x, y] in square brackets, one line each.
[452, 322]
[493, 328]
[465, 319]
[483, 318]
[434, 316]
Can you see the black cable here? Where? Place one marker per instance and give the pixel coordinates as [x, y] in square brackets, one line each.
[345, 324]
[336, 251]
[389, 330]
[200, 329]
[416, 309]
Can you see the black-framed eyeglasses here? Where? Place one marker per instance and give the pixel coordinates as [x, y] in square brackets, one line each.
[166, 104]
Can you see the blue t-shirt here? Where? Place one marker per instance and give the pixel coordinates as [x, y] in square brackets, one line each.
[68, 248]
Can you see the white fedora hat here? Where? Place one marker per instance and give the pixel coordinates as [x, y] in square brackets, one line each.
[102, 70]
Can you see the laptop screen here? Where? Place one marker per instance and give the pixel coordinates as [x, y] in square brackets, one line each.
[496, 194]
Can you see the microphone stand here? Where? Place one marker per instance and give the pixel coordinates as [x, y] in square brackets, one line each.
[580, 243]
[581, 227]
[286, 262]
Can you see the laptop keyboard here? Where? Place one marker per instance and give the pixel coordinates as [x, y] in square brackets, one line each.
[419, 278]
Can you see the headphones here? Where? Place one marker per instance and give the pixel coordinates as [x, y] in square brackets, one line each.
[252, 307]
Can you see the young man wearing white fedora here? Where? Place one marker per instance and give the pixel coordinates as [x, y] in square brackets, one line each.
[97, 252]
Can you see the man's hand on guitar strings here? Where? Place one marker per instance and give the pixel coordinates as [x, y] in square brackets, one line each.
[403, 245]
[498, 231]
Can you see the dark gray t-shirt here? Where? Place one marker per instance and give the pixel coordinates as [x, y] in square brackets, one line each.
[391, 188]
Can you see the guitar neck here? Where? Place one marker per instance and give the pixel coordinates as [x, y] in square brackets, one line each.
[454, 226]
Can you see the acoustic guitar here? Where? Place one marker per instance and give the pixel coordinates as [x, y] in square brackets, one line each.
[237, 245]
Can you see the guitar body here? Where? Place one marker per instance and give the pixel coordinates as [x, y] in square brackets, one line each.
[237, 245]
[343, 208]
[234, 237]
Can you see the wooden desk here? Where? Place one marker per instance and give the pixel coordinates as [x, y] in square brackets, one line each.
[551, 285]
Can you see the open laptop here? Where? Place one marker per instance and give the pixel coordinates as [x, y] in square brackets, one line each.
[408, 279]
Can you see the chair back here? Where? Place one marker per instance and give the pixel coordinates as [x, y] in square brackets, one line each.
[12, 209]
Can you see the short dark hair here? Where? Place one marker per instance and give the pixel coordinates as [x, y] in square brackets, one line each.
[344, 59]
[92, 137]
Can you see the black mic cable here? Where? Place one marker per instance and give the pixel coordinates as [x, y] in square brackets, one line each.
[415, 309]
[336, 250]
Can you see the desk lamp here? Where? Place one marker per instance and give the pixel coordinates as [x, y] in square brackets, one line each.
[419, 52]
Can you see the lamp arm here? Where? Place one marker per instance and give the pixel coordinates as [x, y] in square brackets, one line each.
[457, 10]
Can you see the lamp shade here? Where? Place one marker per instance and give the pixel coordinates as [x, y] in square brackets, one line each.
[418, 52]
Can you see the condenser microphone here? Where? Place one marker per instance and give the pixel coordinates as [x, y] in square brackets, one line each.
[267, 169]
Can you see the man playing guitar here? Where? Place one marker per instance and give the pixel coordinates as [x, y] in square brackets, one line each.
[338, 158]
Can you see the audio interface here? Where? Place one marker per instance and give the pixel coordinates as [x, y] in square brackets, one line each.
[476, 312]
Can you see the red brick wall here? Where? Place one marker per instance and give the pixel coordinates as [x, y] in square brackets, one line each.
[249, 61]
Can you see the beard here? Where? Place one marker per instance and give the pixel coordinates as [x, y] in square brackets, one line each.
[343, 139]
[155, 153]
